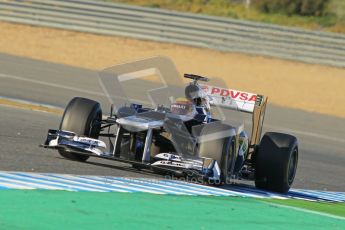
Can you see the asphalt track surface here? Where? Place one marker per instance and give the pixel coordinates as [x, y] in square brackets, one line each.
[321, 137]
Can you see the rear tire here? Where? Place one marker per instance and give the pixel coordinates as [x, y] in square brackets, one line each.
[276, 162]
[81, 116]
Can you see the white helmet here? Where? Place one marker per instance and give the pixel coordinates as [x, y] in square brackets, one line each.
[197, 94]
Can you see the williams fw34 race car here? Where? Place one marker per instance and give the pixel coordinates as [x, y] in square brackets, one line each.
[160, 122]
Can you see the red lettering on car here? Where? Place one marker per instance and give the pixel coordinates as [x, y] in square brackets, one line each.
[215, 90]
[234, 94]
[244, 96]
[252, 98]
[224, 93]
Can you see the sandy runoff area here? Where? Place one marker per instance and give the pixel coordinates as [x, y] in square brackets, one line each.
[313, 88]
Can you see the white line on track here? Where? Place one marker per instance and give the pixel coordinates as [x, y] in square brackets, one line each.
[121, 186]
[30, 184]
[166, 189]
[305, 210]
[187, 187]
[132, 186]
[51, 84]
[40, 180]
[214, 191]
[27, 102]
[72, 184]
[14, 186]
[304, 133]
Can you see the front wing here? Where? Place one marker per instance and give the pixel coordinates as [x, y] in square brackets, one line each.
[205, 169]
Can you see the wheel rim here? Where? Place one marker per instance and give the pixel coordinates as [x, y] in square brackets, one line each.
[95, 126]
[292, 166]
[229, 161]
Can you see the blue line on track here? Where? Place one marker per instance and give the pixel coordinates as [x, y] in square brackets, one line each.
[10, 180]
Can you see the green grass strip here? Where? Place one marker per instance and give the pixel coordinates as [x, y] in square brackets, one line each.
[333, 20]
[337, 209]
[44, 209]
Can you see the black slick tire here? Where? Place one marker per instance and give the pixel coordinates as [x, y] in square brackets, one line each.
[276, 161]
[81, 116]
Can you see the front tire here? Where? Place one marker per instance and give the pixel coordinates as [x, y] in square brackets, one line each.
[276, 162]
[82, 116]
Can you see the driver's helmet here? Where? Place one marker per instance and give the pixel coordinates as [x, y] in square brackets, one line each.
[193, 91]
[183, 106]
[198, 95]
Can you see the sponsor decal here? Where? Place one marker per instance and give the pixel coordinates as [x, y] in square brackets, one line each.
[232, 99]
[178, 106]
[230, 93]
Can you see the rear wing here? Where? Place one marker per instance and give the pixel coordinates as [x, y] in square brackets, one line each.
[232, 99]
[240, 101]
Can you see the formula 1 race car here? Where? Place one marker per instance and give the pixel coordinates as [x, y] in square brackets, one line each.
[183, 139]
